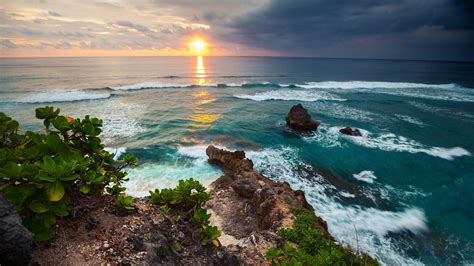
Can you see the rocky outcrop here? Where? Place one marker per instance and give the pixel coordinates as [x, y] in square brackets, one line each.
[298, 118]
[15, 240]
[349, 131]
[249, 207]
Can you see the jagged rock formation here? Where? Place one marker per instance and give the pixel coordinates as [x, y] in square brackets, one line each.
[298, 118]
[249, 207]
[350, 131]
[15, 240]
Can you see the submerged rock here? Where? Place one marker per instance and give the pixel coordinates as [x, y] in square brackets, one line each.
[298, 118]
[15, 240]
[349, 131]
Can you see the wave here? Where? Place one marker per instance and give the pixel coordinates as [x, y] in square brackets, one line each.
[61, 96]
[330, 137]
[392, 142]
[372, 225]
[411, 120]
[117, 152]
[374, 85]
[149, 176]
[365, 176]
[291, 95]
[159, 85]
[445, 92]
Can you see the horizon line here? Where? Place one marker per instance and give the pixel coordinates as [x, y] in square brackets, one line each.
[257, 56]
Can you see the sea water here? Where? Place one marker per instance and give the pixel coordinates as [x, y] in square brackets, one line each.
[401, 192]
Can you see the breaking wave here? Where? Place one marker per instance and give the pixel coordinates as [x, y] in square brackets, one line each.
[330, 137]
[292, 95]
[365, 176]
[61, 96]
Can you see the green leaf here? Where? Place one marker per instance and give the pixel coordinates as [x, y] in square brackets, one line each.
[55, 191]
[85, 189]
[47, 112]
[61, 123]
[38, 207]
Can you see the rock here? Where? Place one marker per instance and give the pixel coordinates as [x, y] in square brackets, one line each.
[231, 162]
[298, 118]
[16, 241]
[349, 131]
[245, 187]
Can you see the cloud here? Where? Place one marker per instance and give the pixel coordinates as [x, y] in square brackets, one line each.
[138, 27]
[8, 44]
[54, 14]
[311, 26]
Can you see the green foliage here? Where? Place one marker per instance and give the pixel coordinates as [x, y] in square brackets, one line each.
[190, 196]
[38, 171]
[188, 193]
[312, 246]
[124, 201]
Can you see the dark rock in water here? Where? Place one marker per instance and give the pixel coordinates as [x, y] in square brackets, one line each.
[15, 240]
[298, 118]
[349, 131]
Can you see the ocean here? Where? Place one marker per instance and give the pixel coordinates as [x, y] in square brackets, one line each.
[401, 192]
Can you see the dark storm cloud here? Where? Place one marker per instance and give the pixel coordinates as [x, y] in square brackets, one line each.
[314, 26]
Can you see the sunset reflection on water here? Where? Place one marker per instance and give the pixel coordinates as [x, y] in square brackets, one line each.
[202, 116]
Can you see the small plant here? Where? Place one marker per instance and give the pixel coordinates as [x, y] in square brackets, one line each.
[38, 171]
[190, 196]
[311, 247]
[188, 193]
[124, 201]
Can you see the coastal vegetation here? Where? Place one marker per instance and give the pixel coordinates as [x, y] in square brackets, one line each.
[308, 245]
[42, 173]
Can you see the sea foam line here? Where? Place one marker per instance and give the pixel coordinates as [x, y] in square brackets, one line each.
[61, 96]
[291, 95]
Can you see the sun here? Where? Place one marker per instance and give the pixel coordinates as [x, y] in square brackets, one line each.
[198, 45]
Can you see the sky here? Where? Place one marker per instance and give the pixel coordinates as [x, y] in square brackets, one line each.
[386, 29]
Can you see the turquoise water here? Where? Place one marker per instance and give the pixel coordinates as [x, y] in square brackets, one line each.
[401, 192]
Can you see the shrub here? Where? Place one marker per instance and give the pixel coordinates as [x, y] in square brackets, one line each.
[311, 246]
[40, 171]
[190, 196]
[124, 201]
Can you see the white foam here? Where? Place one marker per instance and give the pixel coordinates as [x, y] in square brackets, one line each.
[444, 92]
[410, 120]
[292, 95]
[117, 152]
[372, 85]
[149, 85]
[62, 96]
[327, 137]
[372, 225]
[392, 142]
[165, 175]
[365, 176]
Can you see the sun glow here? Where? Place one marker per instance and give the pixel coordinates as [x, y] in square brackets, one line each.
[198, 46]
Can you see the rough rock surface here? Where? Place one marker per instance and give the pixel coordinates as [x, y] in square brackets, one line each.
[95, 234]
[350, 131]
[298, 118]
[15, 240]
[249, 208]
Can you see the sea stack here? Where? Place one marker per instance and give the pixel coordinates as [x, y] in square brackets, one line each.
[298, 118]
[349, 131]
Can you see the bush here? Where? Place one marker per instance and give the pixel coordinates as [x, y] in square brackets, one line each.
[40, 171]
[189, 196]
[311, 246]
